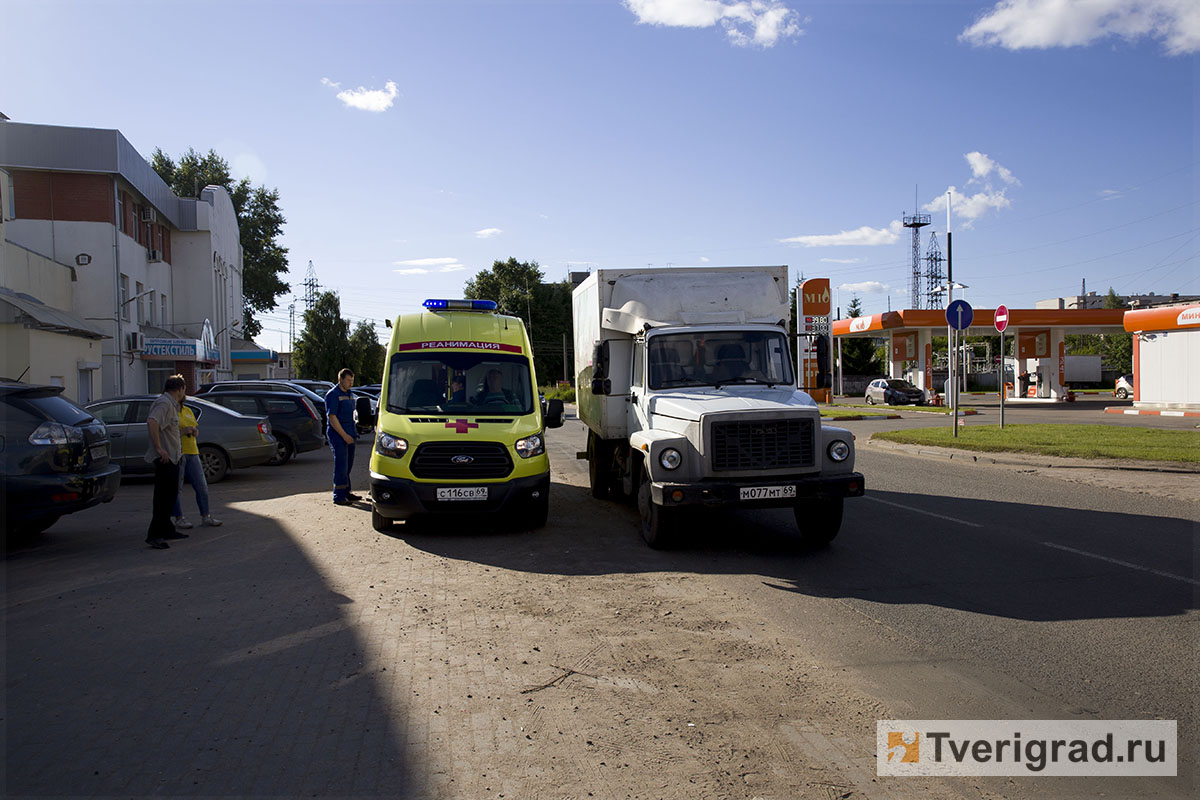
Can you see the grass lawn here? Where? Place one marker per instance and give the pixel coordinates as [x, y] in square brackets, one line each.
[893, 409]
[843, 411]
[1076, 441]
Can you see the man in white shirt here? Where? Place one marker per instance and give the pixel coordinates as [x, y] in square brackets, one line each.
[165, 452]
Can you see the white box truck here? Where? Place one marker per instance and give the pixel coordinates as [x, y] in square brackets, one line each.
[685, 381]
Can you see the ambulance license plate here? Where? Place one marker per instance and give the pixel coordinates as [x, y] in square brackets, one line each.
[463, 493]
[767, 492]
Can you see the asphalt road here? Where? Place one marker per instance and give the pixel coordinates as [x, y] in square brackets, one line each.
[964, 591]
[295, 651]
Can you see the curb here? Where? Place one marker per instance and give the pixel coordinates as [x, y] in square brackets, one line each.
[1014, 459]
[861, 417]
[1152, 412]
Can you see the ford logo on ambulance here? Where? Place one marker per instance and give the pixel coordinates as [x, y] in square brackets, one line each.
[461, 460]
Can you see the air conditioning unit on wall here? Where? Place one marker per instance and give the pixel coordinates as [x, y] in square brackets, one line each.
[154, 255]
[137, 341]
[149, 214]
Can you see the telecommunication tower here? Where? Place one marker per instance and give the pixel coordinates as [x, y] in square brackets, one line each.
[310, 287]
[292, 326]
[934, 276]
[916, 222]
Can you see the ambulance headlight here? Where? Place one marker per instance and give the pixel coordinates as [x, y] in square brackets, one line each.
[839, 450]
[390, 446]
[670, 458]
[530, 446]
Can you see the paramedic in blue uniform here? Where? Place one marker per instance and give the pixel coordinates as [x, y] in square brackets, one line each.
[339, 408]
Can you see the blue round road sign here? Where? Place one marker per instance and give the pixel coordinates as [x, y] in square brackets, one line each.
[959, 315]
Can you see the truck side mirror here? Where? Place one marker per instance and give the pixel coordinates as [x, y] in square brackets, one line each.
[554, 413]
[366, 416]
[601, 386]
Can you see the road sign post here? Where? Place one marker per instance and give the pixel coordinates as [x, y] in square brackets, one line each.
[959, 316]
[1001, 320]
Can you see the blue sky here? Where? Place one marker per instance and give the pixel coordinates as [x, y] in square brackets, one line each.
[414, 143]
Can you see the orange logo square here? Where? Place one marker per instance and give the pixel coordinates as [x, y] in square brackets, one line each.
[898, 744]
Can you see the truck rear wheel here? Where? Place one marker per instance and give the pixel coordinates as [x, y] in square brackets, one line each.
[819, 521]
[659, 525]
[599, 458]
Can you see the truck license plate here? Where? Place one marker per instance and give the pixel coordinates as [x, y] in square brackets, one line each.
[99, 451]
[767, 492]
[463, 493]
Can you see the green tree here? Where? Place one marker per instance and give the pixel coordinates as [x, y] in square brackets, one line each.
[545, 308]
[260, 223]
[859, 356]
[1116, 349]
[323, 348]
[366, 354]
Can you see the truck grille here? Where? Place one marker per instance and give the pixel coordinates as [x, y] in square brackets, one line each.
[754, 445]
[437, 460]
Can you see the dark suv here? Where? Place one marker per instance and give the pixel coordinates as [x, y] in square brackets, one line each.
[295, 421]
[53, 456]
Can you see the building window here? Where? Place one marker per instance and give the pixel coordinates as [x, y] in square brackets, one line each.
[162, 319]
[141, 308]
[125, 297]
[150, 308]
[120, 213]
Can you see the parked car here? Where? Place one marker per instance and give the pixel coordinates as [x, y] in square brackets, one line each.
[54, 458]
[295, 423]
[1124, 387]
[227, 440]
[318, 400]
[317, 387]
[893, 391]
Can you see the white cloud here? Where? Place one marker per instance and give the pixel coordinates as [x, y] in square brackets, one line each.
[982, 166]
[860, 237]
[1041, 24]
[488, 233]
[746, 22]
[842, 260]
[966, 207]
[1109, 194]
[703, 259]
[866, 287]
[425, 266]
[376, 100]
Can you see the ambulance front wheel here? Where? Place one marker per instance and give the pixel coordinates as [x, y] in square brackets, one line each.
[379, 522]
[539, 510]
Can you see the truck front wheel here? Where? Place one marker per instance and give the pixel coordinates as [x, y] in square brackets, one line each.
[659, 525]
[379, 522]
[819, 521]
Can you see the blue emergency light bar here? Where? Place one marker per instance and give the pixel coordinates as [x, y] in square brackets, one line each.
[460, 305]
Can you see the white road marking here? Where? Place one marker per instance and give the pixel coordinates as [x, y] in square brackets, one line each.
[1159, 573]
[923, 511]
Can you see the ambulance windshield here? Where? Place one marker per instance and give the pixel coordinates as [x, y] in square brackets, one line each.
[478, 384]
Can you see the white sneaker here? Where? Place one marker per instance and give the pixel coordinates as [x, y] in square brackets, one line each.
[182, 523]
[210, 522]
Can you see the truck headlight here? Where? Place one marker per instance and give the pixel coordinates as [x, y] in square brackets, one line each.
[390, 446]
[839, 450]
[670, 458]
[530, 446]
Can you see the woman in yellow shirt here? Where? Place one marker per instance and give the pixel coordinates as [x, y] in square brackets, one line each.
[191, 468]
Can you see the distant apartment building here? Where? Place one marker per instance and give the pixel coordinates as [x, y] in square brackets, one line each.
[1094, 300]
[152, 280]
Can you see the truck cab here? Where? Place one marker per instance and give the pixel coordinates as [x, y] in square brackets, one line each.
[460, 428]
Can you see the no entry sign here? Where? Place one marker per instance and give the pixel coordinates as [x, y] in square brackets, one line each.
[1001, 318]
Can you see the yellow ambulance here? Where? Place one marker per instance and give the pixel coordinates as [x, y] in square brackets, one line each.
[460, 427]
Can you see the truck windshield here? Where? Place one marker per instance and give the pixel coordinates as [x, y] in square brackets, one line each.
[478, 384]
[718, 358]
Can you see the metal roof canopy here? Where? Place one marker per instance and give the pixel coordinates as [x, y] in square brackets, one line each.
[1080, 320]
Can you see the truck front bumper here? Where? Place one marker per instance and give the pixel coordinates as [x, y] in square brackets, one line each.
[729, 493]
[401, 498]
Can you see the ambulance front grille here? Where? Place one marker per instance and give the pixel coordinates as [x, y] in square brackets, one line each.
[461, 461]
